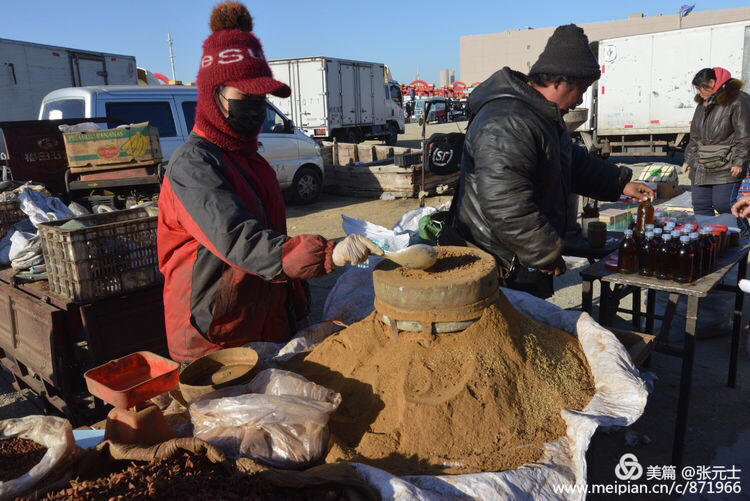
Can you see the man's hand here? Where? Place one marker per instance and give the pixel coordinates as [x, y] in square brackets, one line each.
[742, 207]
[556, 268]
[736, 171]
[638, 191]
[354, 249]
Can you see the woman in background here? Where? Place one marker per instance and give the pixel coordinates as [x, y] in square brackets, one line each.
[718, 153]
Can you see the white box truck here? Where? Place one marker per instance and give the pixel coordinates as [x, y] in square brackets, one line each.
[348, 100]
[30, 71]
[643, 103]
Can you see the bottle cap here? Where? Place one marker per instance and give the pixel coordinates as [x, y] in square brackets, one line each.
[649, 234]
[684, 239]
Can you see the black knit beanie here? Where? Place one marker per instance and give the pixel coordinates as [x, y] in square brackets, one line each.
[567, 53]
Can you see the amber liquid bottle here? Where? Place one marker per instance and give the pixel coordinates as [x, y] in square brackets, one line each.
[645, 216]
[706, 267]
[627, 257]
[664, 268]
[646, 255]
[685, 259]
[695, 241]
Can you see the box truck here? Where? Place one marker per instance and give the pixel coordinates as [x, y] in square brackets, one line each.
[340, 98]
[643, 103]
[31, 71]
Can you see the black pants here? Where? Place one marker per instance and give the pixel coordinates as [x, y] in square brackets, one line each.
[710, 197]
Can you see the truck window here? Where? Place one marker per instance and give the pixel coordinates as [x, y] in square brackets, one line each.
[188, 111]
[274, 122]
[64, 108]
[156, 113]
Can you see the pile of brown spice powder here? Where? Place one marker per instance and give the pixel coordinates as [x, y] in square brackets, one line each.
[484, 399]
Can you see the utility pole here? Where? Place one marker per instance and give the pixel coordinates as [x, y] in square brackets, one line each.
[171, 54]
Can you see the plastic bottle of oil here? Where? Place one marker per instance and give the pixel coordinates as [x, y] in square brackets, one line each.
[685, 259]
[627, 258]
[657, 236]
[664, 269]
[646, 255]
[697, 244]
[708, 254]
[645, 216]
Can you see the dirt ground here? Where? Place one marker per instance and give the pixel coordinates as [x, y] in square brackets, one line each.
[719, 417]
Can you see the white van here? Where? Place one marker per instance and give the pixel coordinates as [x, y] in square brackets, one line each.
[293, 155]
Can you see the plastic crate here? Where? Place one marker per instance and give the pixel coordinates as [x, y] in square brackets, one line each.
[10, 214]
[115, 253]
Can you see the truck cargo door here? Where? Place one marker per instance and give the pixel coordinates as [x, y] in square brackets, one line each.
[311, 101]
[366, 94]
[348, 97]
[88, 69]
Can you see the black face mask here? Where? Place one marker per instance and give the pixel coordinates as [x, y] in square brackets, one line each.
[246, 116]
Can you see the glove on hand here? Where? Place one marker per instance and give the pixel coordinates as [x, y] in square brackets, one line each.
[354, 249]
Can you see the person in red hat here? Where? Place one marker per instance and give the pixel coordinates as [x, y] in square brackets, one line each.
[231, 274]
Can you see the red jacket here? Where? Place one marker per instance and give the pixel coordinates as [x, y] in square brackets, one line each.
[231, 275]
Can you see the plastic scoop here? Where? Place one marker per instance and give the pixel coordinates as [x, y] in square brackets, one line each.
[417, 256]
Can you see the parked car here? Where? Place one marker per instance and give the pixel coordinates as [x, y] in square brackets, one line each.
[294, 156]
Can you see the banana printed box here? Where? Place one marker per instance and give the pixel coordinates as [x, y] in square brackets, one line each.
[136, 144]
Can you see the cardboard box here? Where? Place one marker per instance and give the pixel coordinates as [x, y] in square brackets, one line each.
[130, 146]
[616, 219]
[659, 173]
[667, 189]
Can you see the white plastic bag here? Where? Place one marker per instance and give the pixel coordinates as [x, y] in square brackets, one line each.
[286, 428]
[54, 433]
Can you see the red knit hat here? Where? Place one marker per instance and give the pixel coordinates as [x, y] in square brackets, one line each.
[232, 56]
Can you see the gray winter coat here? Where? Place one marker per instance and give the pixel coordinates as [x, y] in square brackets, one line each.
[725, 121]
[517, 169]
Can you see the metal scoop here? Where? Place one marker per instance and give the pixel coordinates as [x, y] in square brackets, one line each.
[417, 256]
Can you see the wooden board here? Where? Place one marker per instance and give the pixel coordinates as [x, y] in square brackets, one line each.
[639, 345]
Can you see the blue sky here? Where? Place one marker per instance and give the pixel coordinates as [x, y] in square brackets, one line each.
[409, 36]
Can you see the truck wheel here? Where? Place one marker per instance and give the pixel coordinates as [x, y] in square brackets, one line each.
[306, 185]
[392, 138]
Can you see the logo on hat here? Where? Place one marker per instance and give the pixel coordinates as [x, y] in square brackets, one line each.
[229, 56]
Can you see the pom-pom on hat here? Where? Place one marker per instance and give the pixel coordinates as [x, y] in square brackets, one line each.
[232, 55]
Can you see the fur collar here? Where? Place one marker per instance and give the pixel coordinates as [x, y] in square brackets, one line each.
[726, 95]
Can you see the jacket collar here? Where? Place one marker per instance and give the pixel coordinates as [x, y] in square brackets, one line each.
[510, 83]
[726, 94]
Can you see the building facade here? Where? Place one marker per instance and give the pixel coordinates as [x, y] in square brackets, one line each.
[482, 55]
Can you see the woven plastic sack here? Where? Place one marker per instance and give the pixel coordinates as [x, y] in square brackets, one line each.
[286, 428]
[55, 434]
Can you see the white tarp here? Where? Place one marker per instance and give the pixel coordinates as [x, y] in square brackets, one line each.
[619, 400]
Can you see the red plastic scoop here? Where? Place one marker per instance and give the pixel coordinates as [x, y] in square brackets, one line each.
[132, 379]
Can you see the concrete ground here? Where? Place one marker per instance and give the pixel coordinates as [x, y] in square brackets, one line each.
[719, 418]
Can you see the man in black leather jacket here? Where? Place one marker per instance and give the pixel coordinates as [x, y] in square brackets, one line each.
[519, 164]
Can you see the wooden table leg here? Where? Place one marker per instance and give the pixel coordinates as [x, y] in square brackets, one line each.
[650, 310]
[636, 308]
[686, 381]
[739, 298]
[666, 322]
[603, 302]
[587, 294]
